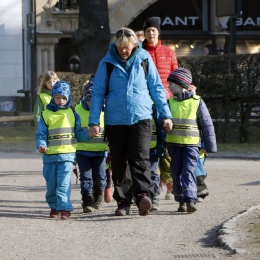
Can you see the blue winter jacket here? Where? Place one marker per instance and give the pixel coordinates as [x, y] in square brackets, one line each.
[129, 90]
[205, 124]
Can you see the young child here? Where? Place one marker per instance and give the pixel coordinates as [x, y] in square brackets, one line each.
[44, 94]
[191, 120]
[58, 129]
[91, 157]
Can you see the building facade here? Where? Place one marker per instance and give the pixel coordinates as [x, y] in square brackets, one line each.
[43, 29]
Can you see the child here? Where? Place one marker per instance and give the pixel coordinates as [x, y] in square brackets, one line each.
[56, 135]
[190, 120]
[44, 94]
[91, 157]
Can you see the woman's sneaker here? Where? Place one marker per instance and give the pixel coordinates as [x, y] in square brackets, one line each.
[144, 205]
[123, 209]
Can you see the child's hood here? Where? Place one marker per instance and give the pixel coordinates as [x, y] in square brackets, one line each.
[60, 88]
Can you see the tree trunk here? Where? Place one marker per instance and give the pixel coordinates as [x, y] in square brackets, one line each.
[93, 34]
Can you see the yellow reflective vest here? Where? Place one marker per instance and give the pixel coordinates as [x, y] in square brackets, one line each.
[45, 98]
[96, 144]
[185, 128]
[61, 124]
[153, 142]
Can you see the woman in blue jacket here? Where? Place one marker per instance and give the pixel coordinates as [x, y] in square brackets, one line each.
[128, 112]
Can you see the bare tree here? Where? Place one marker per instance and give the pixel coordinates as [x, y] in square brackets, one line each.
[93, 34]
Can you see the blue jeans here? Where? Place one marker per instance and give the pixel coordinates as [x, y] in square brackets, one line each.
[58, 183]
[183, 169]
[154, 159]
[92, 174]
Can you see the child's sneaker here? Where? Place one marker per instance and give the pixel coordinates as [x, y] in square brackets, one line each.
[97, 201]
[64, 215]
[123, 209]
[87, 204]
[144, 205]
[169, 196]
[54, 213]
[155, 202]
[191, 207]
[108, 195]
[182, 207]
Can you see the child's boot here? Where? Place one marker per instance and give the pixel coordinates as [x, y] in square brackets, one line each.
[191, 207]
[182, 207]
[87, 204]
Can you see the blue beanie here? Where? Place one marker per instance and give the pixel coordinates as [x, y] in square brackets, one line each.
[61, 88]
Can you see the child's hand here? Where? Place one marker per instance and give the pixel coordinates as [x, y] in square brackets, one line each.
[167, 124]
[42, 149]
[94, 131]
[204, 151]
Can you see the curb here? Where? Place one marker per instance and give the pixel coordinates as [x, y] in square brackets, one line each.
[226, 234]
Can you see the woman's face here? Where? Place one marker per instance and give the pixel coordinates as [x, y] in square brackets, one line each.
[125, 52]
[151, 35]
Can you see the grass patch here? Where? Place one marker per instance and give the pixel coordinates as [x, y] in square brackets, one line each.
[256, 229]
[16, 134]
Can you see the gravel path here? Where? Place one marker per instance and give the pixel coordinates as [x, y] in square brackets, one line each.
[27, 233]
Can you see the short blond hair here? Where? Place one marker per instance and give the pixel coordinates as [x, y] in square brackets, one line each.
[122, 41]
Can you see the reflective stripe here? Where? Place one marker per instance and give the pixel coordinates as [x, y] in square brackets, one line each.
[56, 131]
[182, 132]
[188, 127]
[182, 121]
[62, 142]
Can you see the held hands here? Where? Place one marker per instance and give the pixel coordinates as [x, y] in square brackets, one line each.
[167, 124]
[94, 131]
[42, 149]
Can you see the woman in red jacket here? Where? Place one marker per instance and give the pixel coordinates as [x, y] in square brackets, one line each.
[163, 57]
[165, 61]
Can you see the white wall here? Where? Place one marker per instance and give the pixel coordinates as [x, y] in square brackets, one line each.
[11, 47]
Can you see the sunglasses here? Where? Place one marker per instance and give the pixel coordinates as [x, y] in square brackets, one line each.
[125, 32]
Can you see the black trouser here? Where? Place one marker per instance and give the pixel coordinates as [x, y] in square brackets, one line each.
[130, 144]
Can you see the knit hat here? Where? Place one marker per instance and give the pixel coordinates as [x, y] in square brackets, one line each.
[181, 77]
[152, 22]
[61, 88]
[88, 88]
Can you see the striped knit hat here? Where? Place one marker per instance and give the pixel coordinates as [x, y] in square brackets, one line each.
[181, 77]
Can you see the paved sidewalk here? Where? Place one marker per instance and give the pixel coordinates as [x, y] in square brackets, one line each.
[27, 233]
